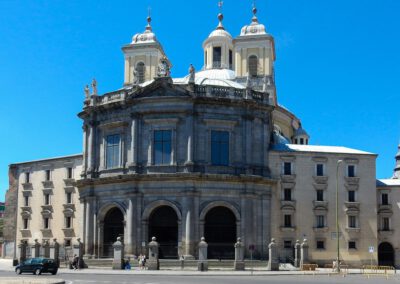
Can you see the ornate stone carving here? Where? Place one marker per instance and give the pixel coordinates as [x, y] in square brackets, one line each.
[163, 67]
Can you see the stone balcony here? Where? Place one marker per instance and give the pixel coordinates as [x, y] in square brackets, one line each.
[385, 233]
[320, 204]
[69, 182]
[320, 179]
[288, 229]
[352, 180]
[384, 208]
[48, 184]
[27, 186]
[352, 205]
[288, 178]
[321, 229]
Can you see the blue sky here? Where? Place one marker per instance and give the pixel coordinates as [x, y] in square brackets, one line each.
[337, 67]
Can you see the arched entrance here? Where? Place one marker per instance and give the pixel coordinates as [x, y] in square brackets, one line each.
[163, 224]
[113, 228]
[386, 254]
[220, 233]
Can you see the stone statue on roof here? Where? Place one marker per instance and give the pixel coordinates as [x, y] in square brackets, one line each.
[192, 72]
[94, 86]
[87, 92]
[135, 76]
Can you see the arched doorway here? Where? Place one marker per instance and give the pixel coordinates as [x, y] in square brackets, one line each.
[220, 233]
[386, 254]
[163, 224]
[113, 228]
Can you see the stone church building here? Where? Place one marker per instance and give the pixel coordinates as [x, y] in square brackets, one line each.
[212, 154]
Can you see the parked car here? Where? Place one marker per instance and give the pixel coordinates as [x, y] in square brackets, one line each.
[37, 266]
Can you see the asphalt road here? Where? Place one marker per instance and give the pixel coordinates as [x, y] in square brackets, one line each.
[77, 278]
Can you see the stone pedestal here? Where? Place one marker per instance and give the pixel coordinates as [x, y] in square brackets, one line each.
[22, 251]
[297, 254]
[273, 263]
[118, 261]
[304, 253]
[153, 262]
[239, 255]
[78, 250]
[45, 249]
[55, 251]
[35, 249]
[202, 264]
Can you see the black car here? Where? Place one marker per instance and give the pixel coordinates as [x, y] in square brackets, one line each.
[37, 266]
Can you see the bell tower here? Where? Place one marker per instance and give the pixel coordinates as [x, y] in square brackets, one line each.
[142, 57]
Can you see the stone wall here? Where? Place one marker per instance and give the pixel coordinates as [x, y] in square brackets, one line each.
[10, 210]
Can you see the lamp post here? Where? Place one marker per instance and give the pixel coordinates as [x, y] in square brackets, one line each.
[337, 216]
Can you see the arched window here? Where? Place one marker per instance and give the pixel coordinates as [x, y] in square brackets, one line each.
[253, 65]
[140, 69]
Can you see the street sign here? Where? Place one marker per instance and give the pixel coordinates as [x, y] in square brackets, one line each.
[371, 249]
[251, 247]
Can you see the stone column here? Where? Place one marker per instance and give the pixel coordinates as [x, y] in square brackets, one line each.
[85, 151]
[130, 234]
[89, 228]
[297, 254]
[189, 131]
[35, 249]
[54, 252]
[273, 263]
[153, 263]
[304, 253]
[118, 261]
[134, 143]
[90, 149]
[202, 264]
[239, 255]
[189, 214]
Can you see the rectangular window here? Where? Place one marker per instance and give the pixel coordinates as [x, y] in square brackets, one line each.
[287, 194]
[48, 175]
[27, 178]
[287, 244]
[162, 147]
[351, 171]
[302, 141]
[220, 148]
[68, 222]
[352, 222]
[288, 221]
[320, 245]
[320, 221]
[320, 170]
[320, 195]
[217, 57]
[230, 59]
[25, 223]
[112, 151]
[385, 198]
[385, 224]
[46, 223]
[67, 243]
[47, 199]
[69, 197]
[287, 168]
[69, 173]
[351, 196]
[352, 245]
[26, 200]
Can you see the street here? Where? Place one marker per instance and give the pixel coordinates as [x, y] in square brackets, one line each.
[78, 278]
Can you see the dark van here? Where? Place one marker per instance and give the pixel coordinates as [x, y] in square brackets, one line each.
[37, 266]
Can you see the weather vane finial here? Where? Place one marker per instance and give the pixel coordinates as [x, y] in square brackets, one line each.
[220, 4]
[148, 27]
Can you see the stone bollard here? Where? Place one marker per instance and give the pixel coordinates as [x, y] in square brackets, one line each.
[239, 255]
[153, 263]
[304, 253]
[22, 251]
[297, 254]
[55, 252]
[273, 263]
[78, 250]
[202, 264]
[35, 249]
[118, 261]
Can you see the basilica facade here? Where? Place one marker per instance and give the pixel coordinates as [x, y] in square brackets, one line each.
[212, 154]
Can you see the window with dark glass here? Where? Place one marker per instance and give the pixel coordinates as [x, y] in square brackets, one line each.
[287, 194]
[26, 198]
[69, 172]
[320, 245]
[385, 198]
[301, 141]
[68, 222]
[46, 223]
[385, 224]
[230, 59]
[48, 176]
[112, 151]
[253, 65]
[287, 244]
[320, 221]
[27, 178]
[320, 170]
[217, 57]
[287, 168]
[351, 171]
[162, 147]
[352, 196]
[288, 220]
[140, 69]
[320, 195]
[352, 222]
[69, 197]
[352, 245]
[25, 223]
[220, 148]
[67, 243]
[47, 199]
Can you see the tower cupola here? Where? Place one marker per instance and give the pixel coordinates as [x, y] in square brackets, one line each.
[218, 48]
